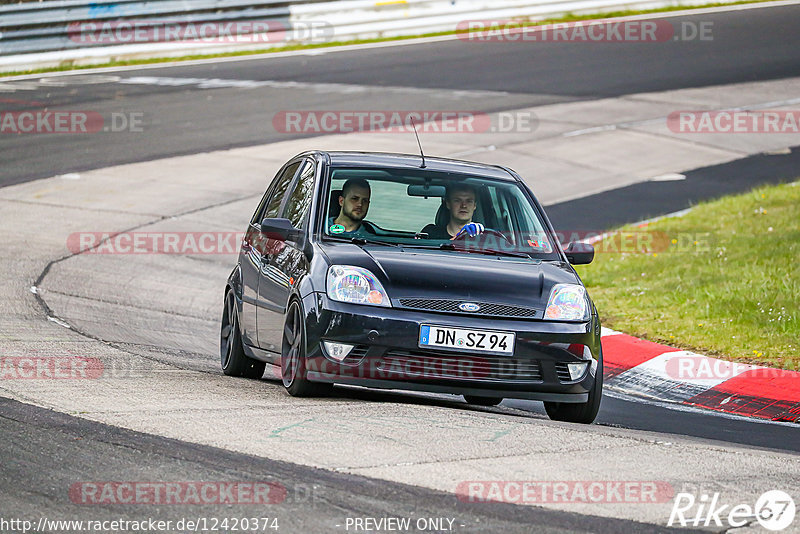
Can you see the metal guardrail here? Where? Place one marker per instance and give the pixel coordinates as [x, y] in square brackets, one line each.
[57, 29]
[366, 19]
[57, 24]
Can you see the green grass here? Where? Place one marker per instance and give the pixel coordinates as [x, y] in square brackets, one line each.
[723, 279]
[566, 18]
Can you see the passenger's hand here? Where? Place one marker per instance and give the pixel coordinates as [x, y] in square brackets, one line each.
[472, 229]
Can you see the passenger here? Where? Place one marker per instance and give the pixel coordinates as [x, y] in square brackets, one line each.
[460, 201]
[354, 202]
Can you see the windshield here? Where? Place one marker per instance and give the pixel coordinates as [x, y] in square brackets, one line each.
[434, 209]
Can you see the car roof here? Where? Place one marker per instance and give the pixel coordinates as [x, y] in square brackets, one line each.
[413, 161]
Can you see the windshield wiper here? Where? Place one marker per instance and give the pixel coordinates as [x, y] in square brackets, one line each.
[423, 247]
[443, 246]
[449, 245]
[512, 253]
[362, 241]
[488, 251]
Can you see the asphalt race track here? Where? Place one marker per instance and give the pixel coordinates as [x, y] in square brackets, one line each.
[359, 453]
[749, 46]
[313, 500]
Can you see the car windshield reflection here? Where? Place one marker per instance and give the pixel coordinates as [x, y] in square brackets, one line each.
[425, 209]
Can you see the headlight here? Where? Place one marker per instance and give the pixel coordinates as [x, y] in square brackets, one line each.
[567, 302]
[355, 285]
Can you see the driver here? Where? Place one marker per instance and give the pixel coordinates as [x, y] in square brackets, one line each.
[354, 202]
[460, 201]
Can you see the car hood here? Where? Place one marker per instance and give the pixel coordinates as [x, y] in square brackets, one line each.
[456, 275]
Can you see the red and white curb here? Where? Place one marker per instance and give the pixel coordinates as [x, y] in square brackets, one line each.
[640, 367]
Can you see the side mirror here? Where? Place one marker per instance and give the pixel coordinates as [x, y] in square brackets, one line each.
[280, 230]
[579, 253]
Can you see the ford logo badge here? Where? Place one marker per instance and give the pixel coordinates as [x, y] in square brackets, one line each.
[468, 307]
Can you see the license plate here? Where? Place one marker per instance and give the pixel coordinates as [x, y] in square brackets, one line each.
[463, 339]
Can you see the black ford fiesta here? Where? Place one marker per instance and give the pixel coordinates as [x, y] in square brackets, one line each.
[413, 273]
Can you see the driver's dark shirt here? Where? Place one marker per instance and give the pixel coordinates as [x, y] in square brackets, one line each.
[436, 232]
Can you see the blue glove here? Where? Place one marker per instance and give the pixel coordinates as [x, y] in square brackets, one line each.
[472, 229]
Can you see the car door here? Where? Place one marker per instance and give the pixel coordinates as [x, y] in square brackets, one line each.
[254, 248]
[287, 263]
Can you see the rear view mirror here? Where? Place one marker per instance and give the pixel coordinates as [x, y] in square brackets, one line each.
[280, 230]
[579, 253]
[426, 190]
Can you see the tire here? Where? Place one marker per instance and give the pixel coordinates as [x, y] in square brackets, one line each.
[483, 401]
[293, 357]
[232, 357]
[584, 412]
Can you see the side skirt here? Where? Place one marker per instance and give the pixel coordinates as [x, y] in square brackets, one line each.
[261, 355]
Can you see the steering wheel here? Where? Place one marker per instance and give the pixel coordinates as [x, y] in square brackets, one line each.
[372, 228]
[486, 231]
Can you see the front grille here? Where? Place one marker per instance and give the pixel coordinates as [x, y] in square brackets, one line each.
[487, 309]
[355, 356]
[562, 371]
[358, 352]
[409, 365]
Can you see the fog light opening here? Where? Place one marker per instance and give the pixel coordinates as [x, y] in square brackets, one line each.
[576, 370]
[337, 351]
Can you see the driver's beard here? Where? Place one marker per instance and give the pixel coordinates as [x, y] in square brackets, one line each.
[355, 218]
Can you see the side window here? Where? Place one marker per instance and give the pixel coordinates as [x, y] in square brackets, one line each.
[300, 199]
[273, 205]
[257, 214]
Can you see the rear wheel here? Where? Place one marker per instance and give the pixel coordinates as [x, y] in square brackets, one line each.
[584, 412]
[293, 357]
[232, 357]
[483, 401]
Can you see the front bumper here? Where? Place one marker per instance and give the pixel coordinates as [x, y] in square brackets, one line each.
[387, 354]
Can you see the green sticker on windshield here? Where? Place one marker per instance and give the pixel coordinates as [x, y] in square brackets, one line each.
[336, 229]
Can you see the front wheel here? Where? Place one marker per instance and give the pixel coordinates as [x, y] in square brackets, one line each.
[232, 357]
[584, 412]
[293, 357]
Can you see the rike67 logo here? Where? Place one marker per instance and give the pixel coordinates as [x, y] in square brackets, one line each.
[774, 510]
